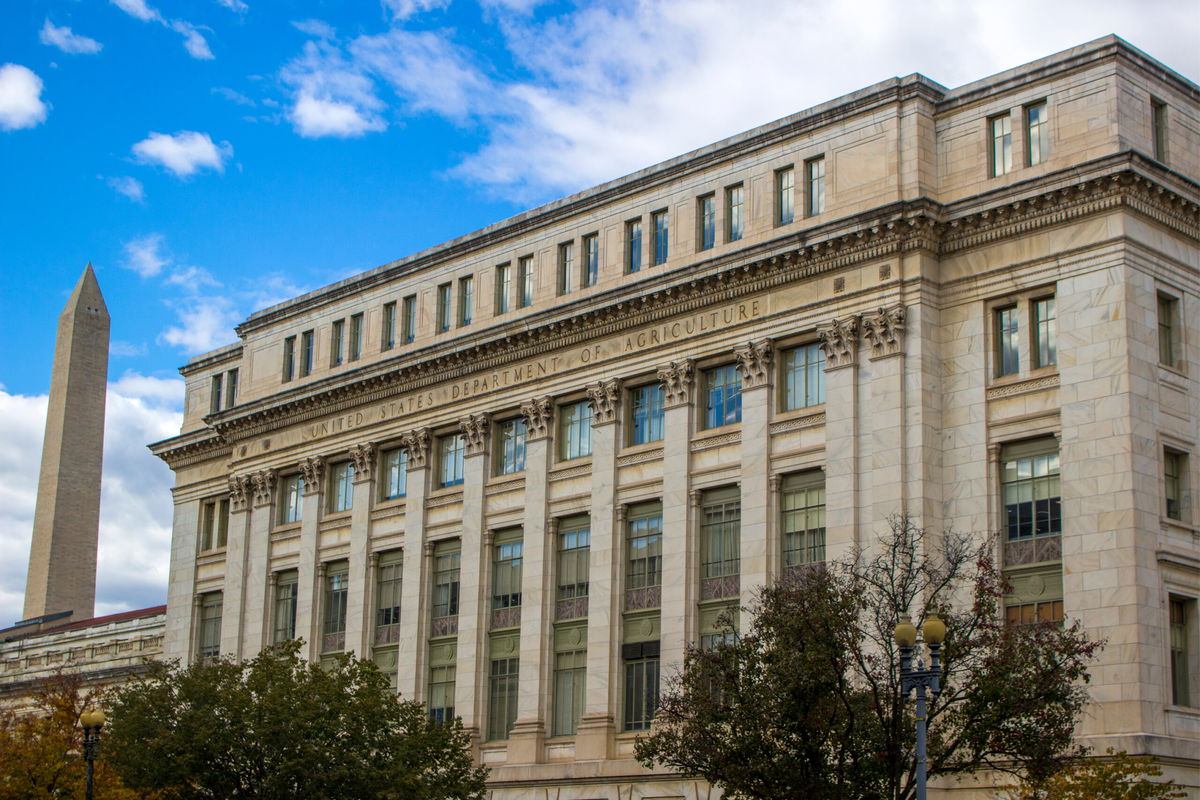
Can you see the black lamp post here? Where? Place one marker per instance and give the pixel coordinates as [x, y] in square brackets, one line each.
[921, 679]
[92, 722]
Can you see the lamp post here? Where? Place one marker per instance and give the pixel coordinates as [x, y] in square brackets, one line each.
[92, 722]
[933, 633]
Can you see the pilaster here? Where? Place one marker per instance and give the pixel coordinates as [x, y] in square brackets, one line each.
[358, 613]
[679, 545]
[839, 340]
[180, 632]
[414, 602]
[473, 608]
[883, 331]
[308, 589]
[256, 496]
[755, 361]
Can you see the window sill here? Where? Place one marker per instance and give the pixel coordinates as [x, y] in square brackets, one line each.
[799, 413]
[1167, 524]
[720, 430]
[505, 477]
[572, 462]
[336, 516]
[643, 447]
[286, 527]
[1022, 376]
[391, 502]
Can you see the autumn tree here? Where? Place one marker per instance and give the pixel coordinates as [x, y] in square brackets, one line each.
[1115, 776]
[808, 698]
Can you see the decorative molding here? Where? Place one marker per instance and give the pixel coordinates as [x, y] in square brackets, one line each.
[677, 382]
[505, 486]
[570, 472]
[416, 444]
[475, 431]
[715, 441]
[787, 425]
[263, 483]
[640, 458]
[364, 460]
[605, 399]
[539, 417]
[839, 340]
[313, 468]
[884, 330]
[754, 361]
[1022, 387]
[438, 501]
[240, 489]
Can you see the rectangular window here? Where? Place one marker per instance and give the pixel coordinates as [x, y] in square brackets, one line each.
[570, 675]
[1008, 361]
[1158, 128]
[408, 319]
[445, 582]
[1045, 333]
[289, 358]
[633, 245]
[575, 431]
[525, 281]
[356, 336]
[337, 341]
[337, 582]
[566, 267]
[1031, 613]
[215, 394]
[389, 585]
[208, 628]
[214, 523]
[814, 186]
[451, 450]
[706, 222]
[443, 307]
[734, 213]
[1000, 133]
[341, 486]
[785, 211]
[591, 259]
[286, 593]
[1030, 485]
[441, 693]
[466, 300]
[646, 414]
[644, 547]
[307, 353]
[291, 498]
[803, 377]
[510, 446]
[661, 227]
[387, 337]
[722, 396]
[720, 533]
[231, 388]
[1183, 649]
[574, 546]
[1174, 482]
[1168, 330]
[1037, 134]
[641, 685]
[502, 697]
[395, 473]
[506, 571]
[503, 288]
[802, 509]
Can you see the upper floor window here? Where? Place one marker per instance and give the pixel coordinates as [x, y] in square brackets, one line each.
[720, 533]
[356, 336]
[1158, 128]
[216, 393]
[1000, 134]
[734, 213]
[231, 388]
[408, 319]
[643, 544]
[633, 245]
[337, 586]
[1029, 480]
[208, 627]
[1174, 482]
[502, 697]
[395, 473]
[446, 560]
[646, 414]
[287, 586]
[802, 507]
[785, 210]
[389, 584]
[525, 281]
[341, 486]
[506, 570]
[591, 259]
[1184, 667]
[337, 341]
[510, 446]
[289, 358]
[566, 267]
[1008, 360]
[451, 450]
[214, 523]
[1168, 330]
[574, 545]
[814, 186]
[575, 430]
[662, 237]
[1045, 333]
[1037, 134]
[503, 288]
[722, 396]
[387, 338]
[706, 222]
[291, 498]
[443, 307]
[466, 300]
[803, 377]
[307, 352]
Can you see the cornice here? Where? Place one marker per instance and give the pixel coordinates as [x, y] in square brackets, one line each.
[191, 448]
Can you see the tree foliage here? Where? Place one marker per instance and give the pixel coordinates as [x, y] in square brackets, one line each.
[1117, 777]
[279, 727]
[810, 695]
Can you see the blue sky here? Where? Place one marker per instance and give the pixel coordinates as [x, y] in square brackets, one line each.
[211, 157]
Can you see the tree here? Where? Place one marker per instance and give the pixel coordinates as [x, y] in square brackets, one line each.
[1117, 777]
[40, 748]
[810, 696]
[279, 727]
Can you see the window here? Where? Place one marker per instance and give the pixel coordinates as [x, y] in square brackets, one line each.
[502, 697]
[785, 196]
[446, 560]
[503, 288]
[646, 414]
[641, 684]
[723, 396]
[337, 342]
[387, 337]
[814, 186]
[525, 281]
[389, 583]
[408, 319]
[1158, 128]
[802, 507]
[1174, 482]
[1008, 361]
[307, 353]
[1045, 333]
[1031, 613]
[443, 308]
[506, 570]
[214, 523]
[341, 486]
[1182, 616]
[661, 245]
[289, 358]
[395, 473]
[1000, 132]
[451, 450]
[215, 394]
[734, 220]
[1037, 134]
[720, 533]
[208, 631]
[633, 245]
[575, 431]
[644, 546]
[231, 388]
[566, 267]
[284, 624]
[441, 693]
[711, 641]
[337, 582]
[574, 545]
[1030, 484]
[570, 676]
[510, 446]
[291, 498]
[356, 336]
[803, 377]
[466, 300]
[591, 259]
[706, 222]
[1168, 330]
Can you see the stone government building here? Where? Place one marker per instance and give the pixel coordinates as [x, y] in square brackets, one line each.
[524, 469]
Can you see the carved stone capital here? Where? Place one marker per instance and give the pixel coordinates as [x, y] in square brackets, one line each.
[754, 361]
[475, 431]
[313, 469]
[416, 444]
[605, 399]
[263, 486]
[539, 416]
[839, 340]
[364, 460]
[677, 381]
[240, 490]
[884, 330]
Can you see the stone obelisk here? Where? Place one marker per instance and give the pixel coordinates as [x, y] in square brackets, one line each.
[66, 524]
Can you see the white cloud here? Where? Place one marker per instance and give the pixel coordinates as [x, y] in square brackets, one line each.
[145, 255]
[234, 96]
[427, 71]
[193, 41]
[121, 349]
[183, 153]
[403, 9]
[139, 9]
[65, 40]
[331, 96]
[205, 323]
[235, 5]
[191, 278]
[21, 103]
[130, 187]
[315, 27]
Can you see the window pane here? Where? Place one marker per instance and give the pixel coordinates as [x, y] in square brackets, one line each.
[573, 550]
[575, 431]
[707, 220]
[814, 192]
[445, 585]
[661, 237]
[1030, 489]
[1045, 332]
[1037, 134]
[734, 213]
[395, 473]
[633, 246]
[644, 565]
[1001, 155]
[723, 396]
[720, 539]
[502, 696]
[591, 255]
[1007, 342]
[451, 452]
[389, 589]
[506, 575]
[784, 210]
[646, 414]
[510, 446]
[566, 267]
[803, 377]
[803, 524]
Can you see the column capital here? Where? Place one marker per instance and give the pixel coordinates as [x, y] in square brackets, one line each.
[622, 512]
[416, 444]
[694, 496]
[605, 399]
[993, 451]
[774, 482]
[884, 330]
[364, 460]
[676, 379]
[551, 526]
[754, 361]
[263, 484]
[240, 491]
[475, 431]
[839, 340]
[313, 468]
[372, 560]
[539, 416]
[428, 548]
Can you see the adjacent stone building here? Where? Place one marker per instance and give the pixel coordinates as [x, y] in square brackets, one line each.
[524, 469]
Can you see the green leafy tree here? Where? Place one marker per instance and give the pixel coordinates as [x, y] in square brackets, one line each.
[809, 697]
[279, 727]
[1118, 776]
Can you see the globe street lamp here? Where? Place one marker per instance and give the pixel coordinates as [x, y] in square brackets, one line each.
[933, 633]
[92, 722]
